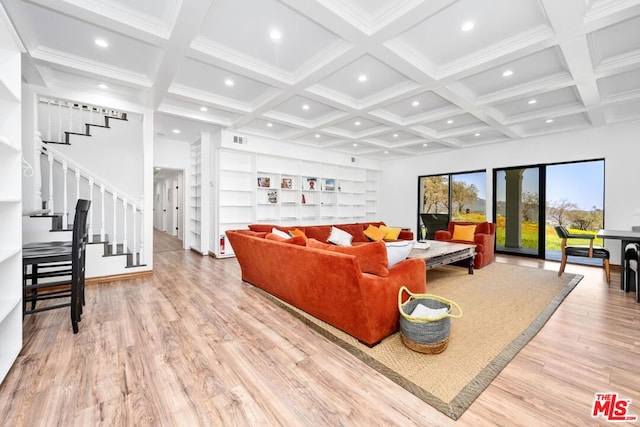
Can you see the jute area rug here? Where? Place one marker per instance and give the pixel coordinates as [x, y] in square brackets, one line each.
[504, 306]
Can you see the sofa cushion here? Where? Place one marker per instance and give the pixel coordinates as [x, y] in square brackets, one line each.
[463, 232]
[374, 233]
[296, 240]
[280, 233]
[398, 251]
[391, 233]
[372, 256]
[297, 232]
[356, 230]
[339, 237]
[318, 232]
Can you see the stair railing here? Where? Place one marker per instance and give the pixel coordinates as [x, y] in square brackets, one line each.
[57, 116]
[60, 162]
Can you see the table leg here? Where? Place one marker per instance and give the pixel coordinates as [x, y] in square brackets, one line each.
[471, 265]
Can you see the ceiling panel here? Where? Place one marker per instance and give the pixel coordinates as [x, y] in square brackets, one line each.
[399, 67]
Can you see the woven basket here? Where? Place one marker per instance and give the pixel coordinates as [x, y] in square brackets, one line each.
[425, 335]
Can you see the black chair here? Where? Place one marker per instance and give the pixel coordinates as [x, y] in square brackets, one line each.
[56, 270]
[434, 222]
[588, 251]
[631, 264]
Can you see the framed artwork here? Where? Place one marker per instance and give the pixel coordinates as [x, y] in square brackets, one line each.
[312, 183]
[286, 183]
[264, 181]
[329, 184]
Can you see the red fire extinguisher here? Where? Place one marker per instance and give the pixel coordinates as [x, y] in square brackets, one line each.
[222, 244]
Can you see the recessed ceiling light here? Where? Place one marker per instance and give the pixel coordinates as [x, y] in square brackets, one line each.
[425, 145]
[317, 135]
[507, 73]
[101, 42]
[275, 34]
[355, 144]
[305, 107]
[532, 101]
[269, 124]
[476, 134]
[415, 103]
[549, 121]
[467, 26]
[386, 151]
[203, 108]
[362, 78]
[228, 82]
[449, 121]
[357, 123]
[103, 86]
[395, 135]
[176, 131]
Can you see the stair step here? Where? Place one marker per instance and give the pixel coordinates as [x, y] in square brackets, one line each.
[56, 142]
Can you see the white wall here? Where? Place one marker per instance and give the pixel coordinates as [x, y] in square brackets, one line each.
[618, 144]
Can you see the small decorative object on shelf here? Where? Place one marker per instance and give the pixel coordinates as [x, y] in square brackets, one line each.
[339, 188]
[272, 196]
[304, 199]
[311, 183]
[330, 185]
[286, 183]
[264, 181]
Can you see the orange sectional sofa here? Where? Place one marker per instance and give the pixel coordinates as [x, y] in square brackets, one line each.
[350, 287]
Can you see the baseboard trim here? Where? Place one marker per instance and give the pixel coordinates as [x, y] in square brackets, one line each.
[117, 277]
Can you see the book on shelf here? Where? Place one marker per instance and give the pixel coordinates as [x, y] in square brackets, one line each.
[264, 181]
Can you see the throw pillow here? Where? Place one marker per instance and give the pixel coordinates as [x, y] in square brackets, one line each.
[374, 233]
[339, 237]
[372, 256]
[298, 232]
[280, 233]
[391, 233]
[463, 232]
[398, 251]
[356, 230]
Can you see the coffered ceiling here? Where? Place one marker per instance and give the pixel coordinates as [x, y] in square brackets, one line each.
[375, 78]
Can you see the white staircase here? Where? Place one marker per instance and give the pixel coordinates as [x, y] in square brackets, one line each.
[116, 220]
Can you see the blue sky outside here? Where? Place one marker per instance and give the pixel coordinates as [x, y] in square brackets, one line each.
[580, 183]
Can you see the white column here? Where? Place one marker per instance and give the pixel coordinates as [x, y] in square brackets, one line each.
[70, 104]
[135, 237]
[77, 184]
[114, 245]
[50, 201]
[48, 119]
[37, 171]
[65, 202]
[142, 260]
[90, 217]
[60, 121]
[124, 224]
[102, 237]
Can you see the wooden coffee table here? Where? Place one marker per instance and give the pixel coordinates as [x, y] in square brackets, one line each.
[443, 253]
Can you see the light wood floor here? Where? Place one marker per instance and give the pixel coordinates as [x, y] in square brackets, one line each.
[192, 345]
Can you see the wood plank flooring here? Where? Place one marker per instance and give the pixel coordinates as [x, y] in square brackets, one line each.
[193, 346]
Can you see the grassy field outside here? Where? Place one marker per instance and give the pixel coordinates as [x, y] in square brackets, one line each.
[529, 236]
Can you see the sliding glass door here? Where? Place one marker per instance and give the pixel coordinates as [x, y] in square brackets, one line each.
[450, 197]
[572, 195]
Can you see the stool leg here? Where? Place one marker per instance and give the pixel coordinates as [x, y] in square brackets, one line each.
[607, 270]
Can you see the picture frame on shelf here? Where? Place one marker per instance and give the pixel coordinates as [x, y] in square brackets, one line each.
[272, 196]
[286, 183]
[264, 181]
[312, 183]
[330, 185]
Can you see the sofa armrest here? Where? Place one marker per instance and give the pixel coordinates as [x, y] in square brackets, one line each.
[442, 235]
[483, 239]
[405, 235]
